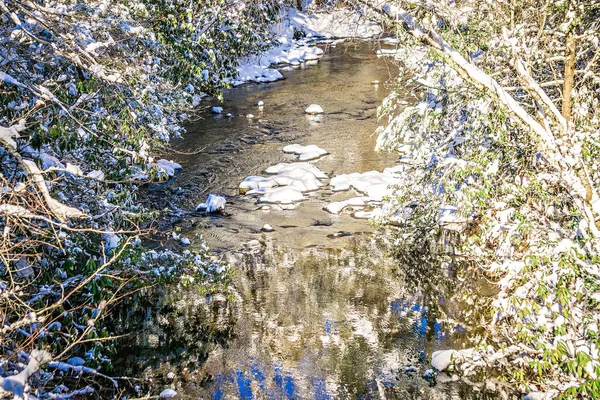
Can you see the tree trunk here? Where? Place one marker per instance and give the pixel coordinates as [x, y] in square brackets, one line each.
[567, 96]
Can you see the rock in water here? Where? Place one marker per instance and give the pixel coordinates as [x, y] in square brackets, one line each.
[282, 167]
[282, 195]
[314, 109]
[213, 204]
[217, 110]
[336, 207]
[256, 182]
[168, 394]
[305, 153]
[267, 228]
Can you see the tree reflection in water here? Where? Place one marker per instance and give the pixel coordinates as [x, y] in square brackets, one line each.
[313, 323]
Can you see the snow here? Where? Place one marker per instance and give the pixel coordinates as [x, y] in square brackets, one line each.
[111, 240]
[256, 182]
[47, 160]
[96, 175]
[16, 384]
[440, 360]
[376, 185]
[213, 204]
[168, 167]
[286, 185]
[375, 213]
[249, 72]
[314, 109]
[168, 394]
[428, 374]
[76, 361]
[316, 27]
[267, 228]
[282, 167]
[339, 206]
[303, 180]
[334, 24]
[305, 153]
[282, 195]
[538, 396]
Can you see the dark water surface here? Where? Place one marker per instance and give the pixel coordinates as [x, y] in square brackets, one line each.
[316, 317]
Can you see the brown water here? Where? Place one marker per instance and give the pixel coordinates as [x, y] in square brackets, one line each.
[316, 316]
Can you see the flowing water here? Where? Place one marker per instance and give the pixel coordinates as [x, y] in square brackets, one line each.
[318, 314]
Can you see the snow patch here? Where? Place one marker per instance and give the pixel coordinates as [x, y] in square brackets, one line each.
[305, 153]
[213, 204]
[314, 109]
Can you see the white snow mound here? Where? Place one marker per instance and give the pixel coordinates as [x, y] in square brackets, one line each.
[305, 153]
[282, 195]
[314, 109]
[213, 203]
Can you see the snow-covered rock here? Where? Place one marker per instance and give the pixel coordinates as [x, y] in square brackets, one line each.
[256, 182]
[282, 195]
[339, 206]
[267, 228]
[282, 167]
[168, 394]
[336, 207]
[314, 109]
[287, 185]
[305, 183]
[373, 183]
[185, 241]
[213, 204]
[260, 103]
[305, 153]
[217, 110]
[375, 213]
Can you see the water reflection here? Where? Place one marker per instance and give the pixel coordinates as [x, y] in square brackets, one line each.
[327, 323]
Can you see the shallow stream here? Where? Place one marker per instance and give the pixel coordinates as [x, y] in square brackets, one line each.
[322, 311]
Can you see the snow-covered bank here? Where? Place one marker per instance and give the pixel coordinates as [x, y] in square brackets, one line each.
[296, 35]
[514, 208]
